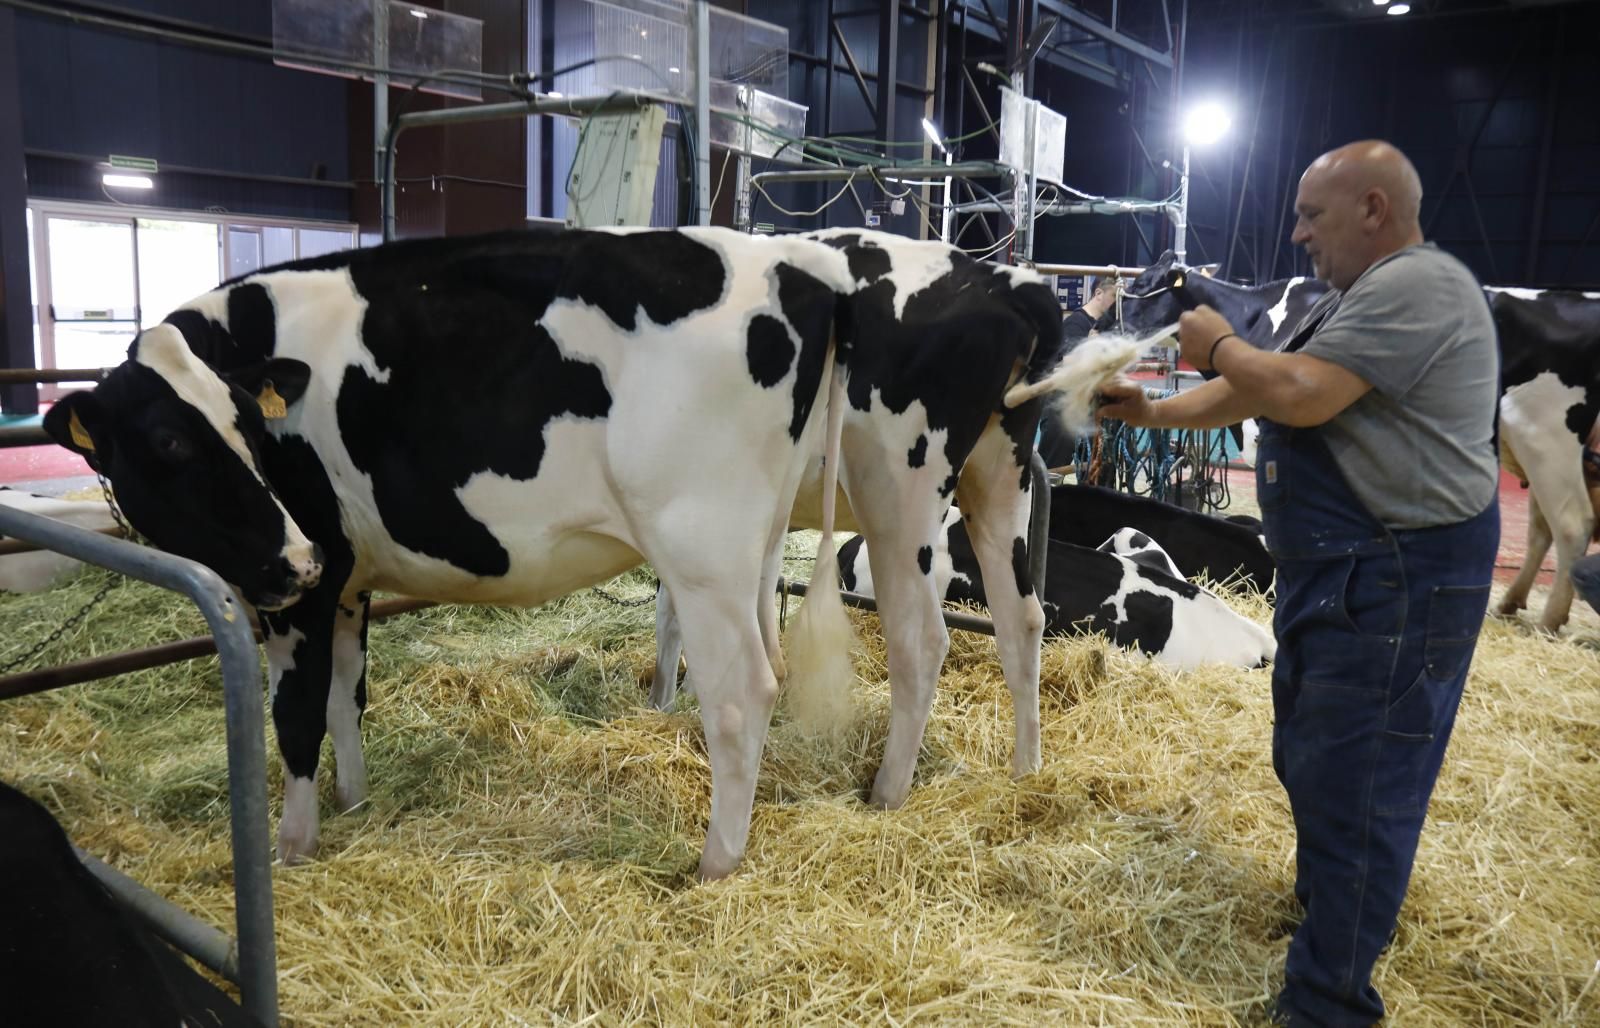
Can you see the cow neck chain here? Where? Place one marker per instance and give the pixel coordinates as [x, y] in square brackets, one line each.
[74, 620]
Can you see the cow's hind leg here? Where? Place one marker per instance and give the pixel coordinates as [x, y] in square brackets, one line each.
[995, 501]
[1516, 595]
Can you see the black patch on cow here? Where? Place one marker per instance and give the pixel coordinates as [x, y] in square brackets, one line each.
[867, 263]
[949, 485]
[809, 306]
[300, 703]
[252, 318]
[953, 349]
[1147, 625]
[1139, 541]
[847, 562]
[919, 452]
[925, 559]
[1019, 566]
[769, 350]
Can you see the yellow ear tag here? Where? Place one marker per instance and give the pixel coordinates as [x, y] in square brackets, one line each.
[272, 405]
[79, 436]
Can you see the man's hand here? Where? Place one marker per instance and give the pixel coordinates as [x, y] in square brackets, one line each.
[1126, 401]
[1198, 331]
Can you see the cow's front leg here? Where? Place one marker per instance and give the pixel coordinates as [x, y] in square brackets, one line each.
[347, 699]
[300, 665]
[669, 651]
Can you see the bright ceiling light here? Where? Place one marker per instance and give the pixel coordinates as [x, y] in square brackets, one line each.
[1206, 123]
[415, 13]
[128, 181]
[933, 134]
[1379, 3]
[1399, 9]
[672, 71]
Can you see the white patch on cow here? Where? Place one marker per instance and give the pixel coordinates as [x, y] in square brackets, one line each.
[299, 830]
[163, 350]
[344, 717]
[280, 658]
[34, 572]
[1519, 292]
[1280, 310]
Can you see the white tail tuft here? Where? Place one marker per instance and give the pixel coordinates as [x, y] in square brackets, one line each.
[820, 643]
[1081, 373]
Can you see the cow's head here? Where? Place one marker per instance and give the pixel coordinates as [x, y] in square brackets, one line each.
[182, 448]
[1147, 303]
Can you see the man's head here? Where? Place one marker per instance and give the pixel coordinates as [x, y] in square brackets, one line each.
[1357, 205]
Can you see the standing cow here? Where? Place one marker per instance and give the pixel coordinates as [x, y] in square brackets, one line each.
[501, 419]
[929, 340]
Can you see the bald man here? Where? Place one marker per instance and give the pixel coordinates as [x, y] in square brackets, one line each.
[1376, 477]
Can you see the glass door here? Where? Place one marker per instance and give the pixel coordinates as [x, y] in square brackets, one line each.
[93, 284]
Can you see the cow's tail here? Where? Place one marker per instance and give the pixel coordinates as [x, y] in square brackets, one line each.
[822, 639]
[1079, 376]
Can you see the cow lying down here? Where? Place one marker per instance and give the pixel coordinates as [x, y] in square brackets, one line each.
[1127, 588]
[35, 572]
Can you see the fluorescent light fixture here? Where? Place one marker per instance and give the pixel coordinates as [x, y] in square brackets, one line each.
[672, 71]
[1399, 9]
[111, 178]
[415, 13]
[1206, 123]
[933, 134]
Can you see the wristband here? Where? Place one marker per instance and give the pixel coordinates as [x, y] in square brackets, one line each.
[1211, 361]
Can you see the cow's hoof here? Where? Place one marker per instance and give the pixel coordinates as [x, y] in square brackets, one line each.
[887, 799]
[350, 797]
[294, 850]
[714, 870]
[1508, 608]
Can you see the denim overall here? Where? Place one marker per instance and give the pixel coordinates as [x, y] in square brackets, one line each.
[1376, 629]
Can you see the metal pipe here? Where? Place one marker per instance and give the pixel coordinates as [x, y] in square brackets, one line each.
[702, 112]
[1088, 269]
[212, 947]
[26, 683]
[953, 618]
[24, 435]
[577, 106]
[11, 547]
[10, 376]
[965, 169]
[245, 726]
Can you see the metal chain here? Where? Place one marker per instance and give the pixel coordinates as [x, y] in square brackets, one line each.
[69, 623]
[75, 619]
[641, 601]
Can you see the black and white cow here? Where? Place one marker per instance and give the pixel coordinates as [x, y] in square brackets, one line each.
[1141, 549]
[1264, 315]
[500, 419]
[1550, 398]
[1218, 549]
[1089, 590]
[929, 341]
[33, 572]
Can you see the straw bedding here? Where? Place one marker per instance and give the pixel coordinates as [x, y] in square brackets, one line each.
[526, 855]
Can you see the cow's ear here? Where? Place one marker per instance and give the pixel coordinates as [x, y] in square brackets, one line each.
[78, 422]
[274, 383]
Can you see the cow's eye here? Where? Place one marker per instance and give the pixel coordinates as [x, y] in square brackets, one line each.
[170, 445]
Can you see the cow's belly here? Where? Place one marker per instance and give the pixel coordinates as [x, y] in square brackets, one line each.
[541, 570]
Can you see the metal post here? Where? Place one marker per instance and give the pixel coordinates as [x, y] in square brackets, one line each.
[245, 725]
[1033, 179]
[702, 110]
[944, 216]
[380, 86]
[1180, 218]
[741, 179]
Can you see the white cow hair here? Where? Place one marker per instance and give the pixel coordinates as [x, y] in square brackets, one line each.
[1080, 375]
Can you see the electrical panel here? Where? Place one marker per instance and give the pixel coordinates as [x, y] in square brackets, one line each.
[613, 179]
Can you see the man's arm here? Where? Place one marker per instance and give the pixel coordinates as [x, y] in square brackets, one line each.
[1215, 404]
[1294, 389]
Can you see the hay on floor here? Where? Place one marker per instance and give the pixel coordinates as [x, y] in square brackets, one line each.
[527, 852]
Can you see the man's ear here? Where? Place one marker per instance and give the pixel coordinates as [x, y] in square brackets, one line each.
[274, 383]
[78, 422]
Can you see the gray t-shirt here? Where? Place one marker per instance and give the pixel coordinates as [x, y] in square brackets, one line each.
[1418, 448]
